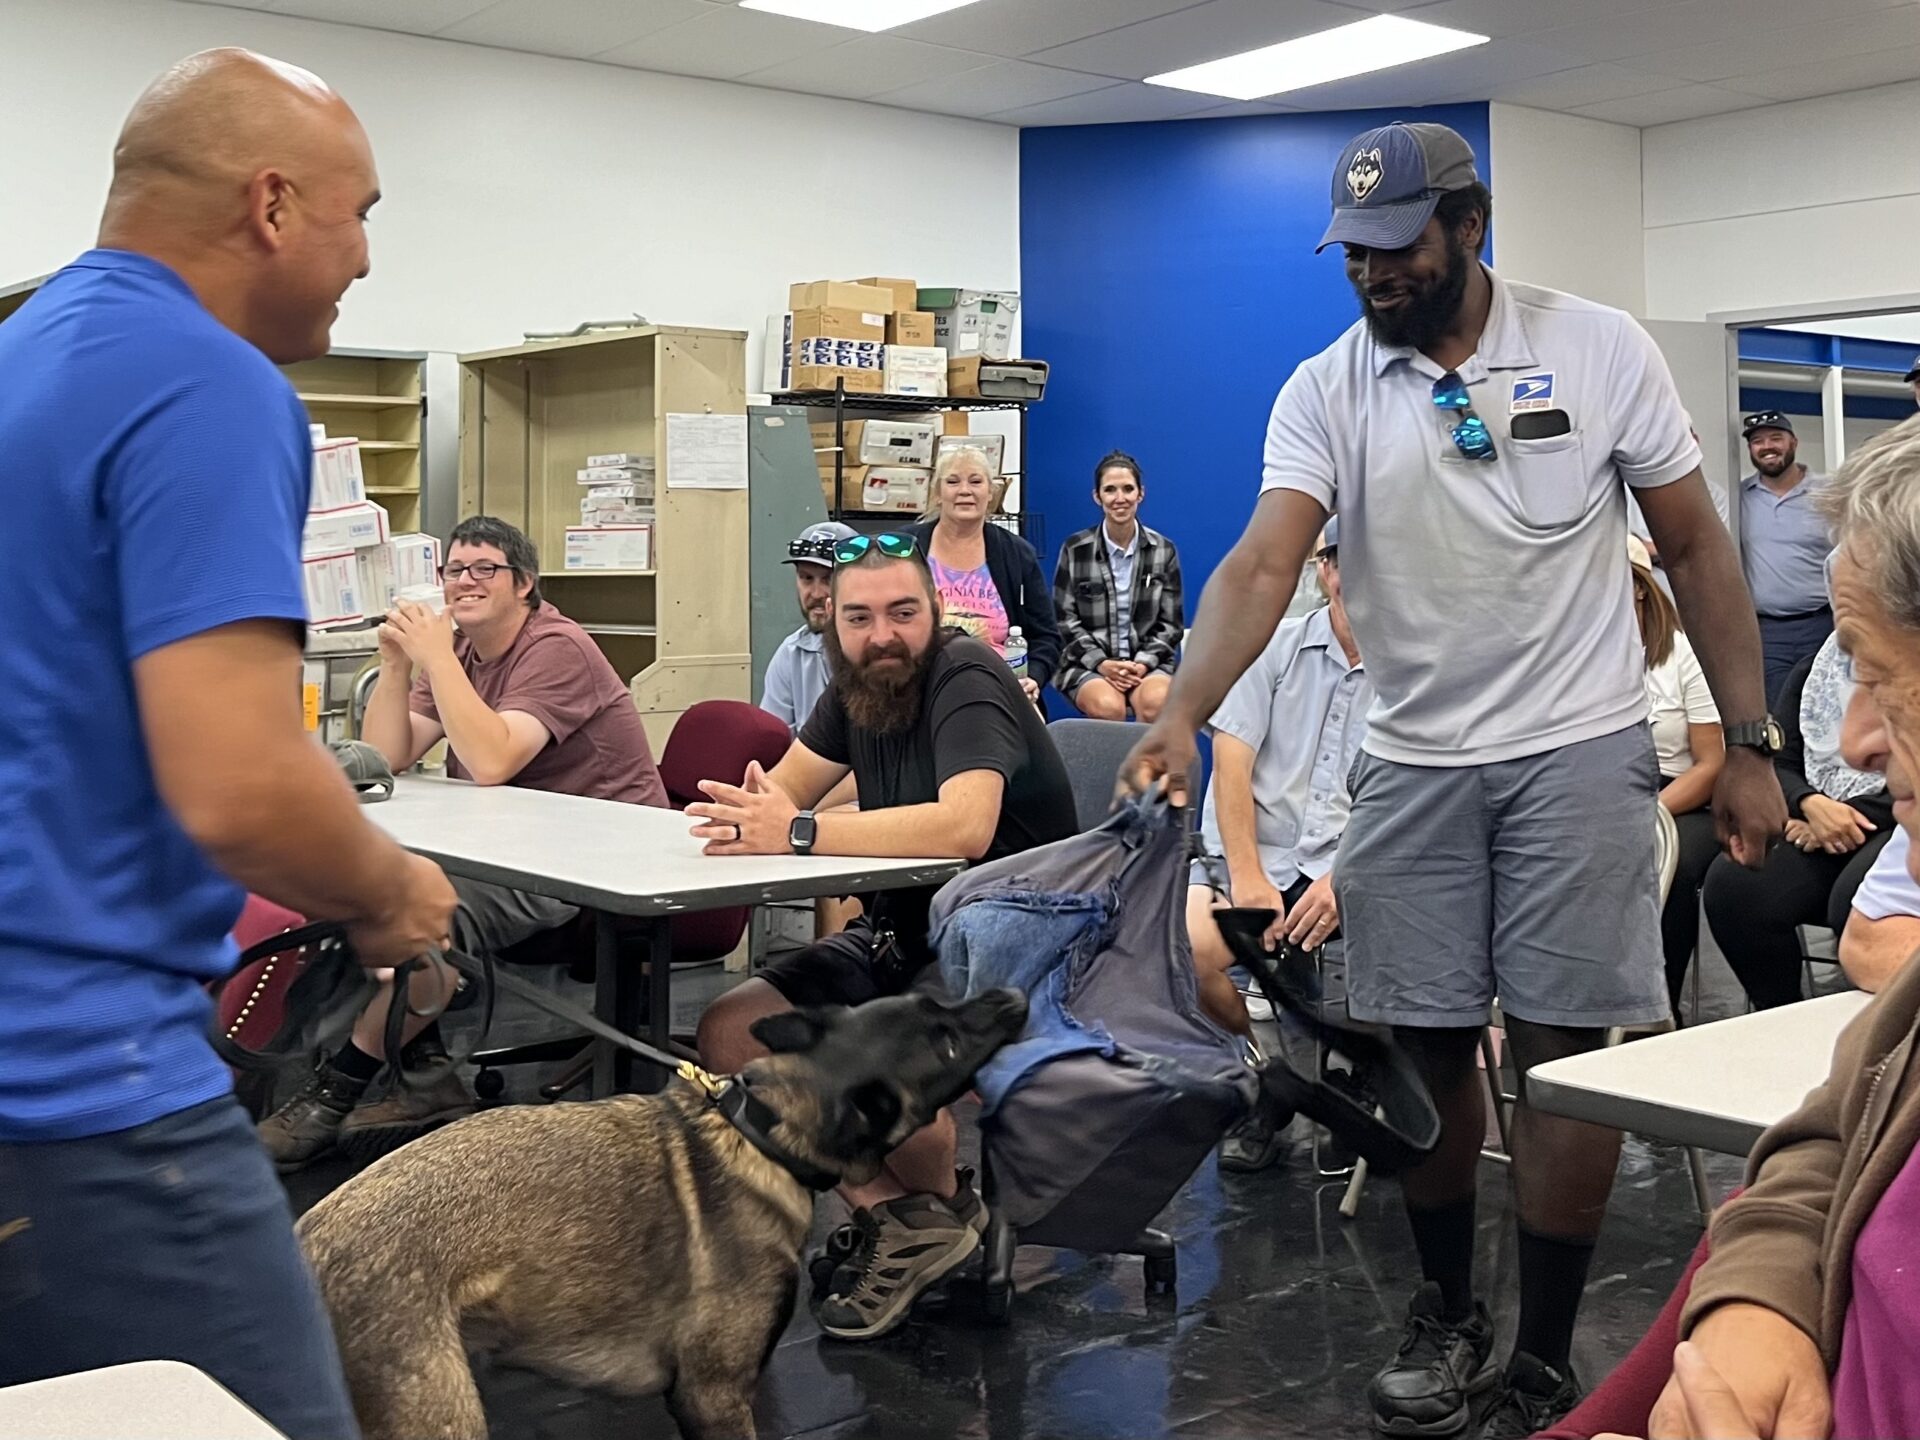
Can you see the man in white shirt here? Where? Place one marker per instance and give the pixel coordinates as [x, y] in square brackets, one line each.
[1476, 436]
[797, 674]
[1283, 742]
[1883, 928]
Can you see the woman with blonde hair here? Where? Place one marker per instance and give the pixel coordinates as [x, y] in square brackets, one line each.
[988, 577]
[1690, 748]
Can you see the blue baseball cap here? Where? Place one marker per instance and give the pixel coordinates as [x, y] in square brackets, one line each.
[1389, 182]
[1329, 538]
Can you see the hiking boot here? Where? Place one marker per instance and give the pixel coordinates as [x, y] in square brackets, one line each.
[1429, 1386]
[306, 1127]
[427, 1094]
[897, 1250]
[844, 1240]
[1534, 1396]
[1256, 1142]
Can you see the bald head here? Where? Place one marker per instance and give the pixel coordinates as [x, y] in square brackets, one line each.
[251, 178]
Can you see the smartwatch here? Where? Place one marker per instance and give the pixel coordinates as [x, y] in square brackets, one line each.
[1766, 736]
[801, 832]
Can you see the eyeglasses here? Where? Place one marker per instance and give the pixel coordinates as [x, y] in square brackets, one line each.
[814, 552]
[1469, 431]
[894, 547]
[481, 570]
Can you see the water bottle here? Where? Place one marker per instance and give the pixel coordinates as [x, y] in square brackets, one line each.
[1016, 653]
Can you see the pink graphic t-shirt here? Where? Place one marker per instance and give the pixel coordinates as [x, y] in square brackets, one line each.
[972, 603]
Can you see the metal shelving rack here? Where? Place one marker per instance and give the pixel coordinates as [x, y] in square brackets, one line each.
[861, 403]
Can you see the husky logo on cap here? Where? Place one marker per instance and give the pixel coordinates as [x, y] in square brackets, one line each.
[1363, 174]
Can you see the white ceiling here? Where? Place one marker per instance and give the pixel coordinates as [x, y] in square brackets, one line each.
[1070, 62]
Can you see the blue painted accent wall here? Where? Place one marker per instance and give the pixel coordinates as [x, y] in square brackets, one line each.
[1168, 276]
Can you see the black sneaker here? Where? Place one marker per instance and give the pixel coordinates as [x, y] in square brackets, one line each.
[1534, 1396]
[1256, 1142]
[1429, 1387]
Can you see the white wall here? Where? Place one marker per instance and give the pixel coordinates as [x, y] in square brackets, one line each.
[1809, 202]
[525, 193]
[1566, 204]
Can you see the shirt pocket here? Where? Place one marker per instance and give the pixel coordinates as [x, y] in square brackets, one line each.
[1550, 479]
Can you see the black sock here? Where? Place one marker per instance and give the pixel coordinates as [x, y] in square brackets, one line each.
[1553, 1277]
[1444, 1238]
[354, 1063]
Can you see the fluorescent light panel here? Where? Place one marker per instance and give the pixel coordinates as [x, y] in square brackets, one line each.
[1356, 49]
[869, 15]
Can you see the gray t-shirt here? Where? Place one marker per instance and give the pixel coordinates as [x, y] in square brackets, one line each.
[1784, 545]
[1490, 597]
[796, 676]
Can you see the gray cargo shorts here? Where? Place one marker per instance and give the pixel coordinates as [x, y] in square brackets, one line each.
[1530, 880]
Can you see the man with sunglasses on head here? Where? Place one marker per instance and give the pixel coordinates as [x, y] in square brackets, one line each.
[797, 674]
[1477, 437]
[1783, 547]
[522, 696]
[951, 759]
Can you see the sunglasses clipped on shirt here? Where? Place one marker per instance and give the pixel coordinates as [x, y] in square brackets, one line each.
[1469, 431]
[894, 547]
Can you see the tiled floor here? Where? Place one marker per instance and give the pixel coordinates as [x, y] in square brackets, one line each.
[1283, 1311]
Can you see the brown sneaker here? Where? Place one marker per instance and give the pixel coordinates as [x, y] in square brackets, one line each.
[306, 1127]
[433, 1095]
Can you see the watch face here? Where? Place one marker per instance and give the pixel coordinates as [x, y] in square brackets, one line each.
[1776, 737]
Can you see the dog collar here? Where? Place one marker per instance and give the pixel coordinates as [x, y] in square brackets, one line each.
[755, 1120]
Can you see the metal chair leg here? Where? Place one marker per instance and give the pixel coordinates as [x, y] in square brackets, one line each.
[1350, 1202]
[1490, 1061]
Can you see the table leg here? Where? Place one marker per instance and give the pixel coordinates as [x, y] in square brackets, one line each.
[618, 1000]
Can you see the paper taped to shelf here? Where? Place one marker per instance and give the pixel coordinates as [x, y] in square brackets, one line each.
[706, 452]
[914, 370]
[610, 547]
[351, 527]
[332, 584]
[338, 479]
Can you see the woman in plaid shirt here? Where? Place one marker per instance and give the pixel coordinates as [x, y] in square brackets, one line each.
[1117, 594]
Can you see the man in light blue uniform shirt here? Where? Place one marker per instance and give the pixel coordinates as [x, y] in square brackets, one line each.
[797, 674]
[1783, 547]
[152, 756]
[1283, 742]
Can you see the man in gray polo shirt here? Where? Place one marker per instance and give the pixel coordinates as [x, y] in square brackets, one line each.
[797, 674]
[1783, 547]
[1477, 437]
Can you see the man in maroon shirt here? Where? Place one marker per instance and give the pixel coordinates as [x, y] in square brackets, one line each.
[522, 696]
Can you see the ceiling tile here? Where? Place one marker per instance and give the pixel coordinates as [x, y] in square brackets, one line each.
[1696, 22]
[1116, 104]
[867, 66]
[1469, 73]
[1663, 107]
[416, 17]
[1018, 28]
[1204, 32]
[1585, 85]
[1832, 77]
[1003, 85]
[1525, 17]
[1745, 52]
[725, 44]
[578, 28]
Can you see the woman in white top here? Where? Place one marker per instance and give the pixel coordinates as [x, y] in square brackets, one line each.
[1691, 750]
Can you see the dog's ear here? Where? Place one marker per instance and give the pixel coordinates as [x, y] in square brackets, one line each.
[870, 1114]
[789, 1032]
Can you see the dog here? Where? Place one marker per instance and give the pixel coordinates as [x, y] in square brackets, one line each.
[637, 1244]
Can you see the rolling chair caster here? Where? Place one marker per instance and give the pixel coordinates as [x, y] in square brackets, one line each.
[1162, 1275]
[489, 1085]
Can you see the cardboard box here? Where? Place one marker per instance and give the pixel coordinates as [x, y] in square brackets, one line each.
[624, 460]
[332, 583]
[914, 370]
[614, 475]
[997, 379]
[848, 354]
[840, 295]
[887, 489]
[905, 292]
[910, 327]
[834, 323]
[351, 527]
[973, 322]
[615, 512]
[338, 479]
[609, 547]
[955, 422]
[416, 561]
[377, 578]
[878, 442]
[822, 377]
[995, 447]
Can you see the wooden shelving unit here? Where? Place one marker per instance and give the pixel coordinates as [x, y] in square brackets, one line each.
[529, 417]
[377, 398]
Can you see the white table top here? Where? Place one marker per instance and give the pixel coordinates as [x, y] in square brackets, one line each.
[154, 1399]
[1716, 1086]
[626, 859]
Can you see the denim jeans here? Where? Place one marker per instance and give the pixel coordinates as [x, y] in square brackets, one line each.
[169, 1241]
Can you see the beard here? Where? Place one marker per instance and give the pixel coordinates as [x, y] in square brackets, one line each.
[816, 618]
[1428, 312]
[883, 700]
[1774, 467]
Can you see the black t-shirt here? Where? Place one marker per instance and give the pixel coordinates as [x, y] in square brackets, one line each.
[973, 716]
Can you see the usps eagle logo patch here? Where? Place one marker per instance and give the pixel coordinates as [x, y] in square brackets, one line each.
[1363, 174]
[1533, 392]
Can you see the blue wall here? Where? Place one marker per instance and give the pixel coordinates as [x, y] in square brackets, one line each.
[1168, 276]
